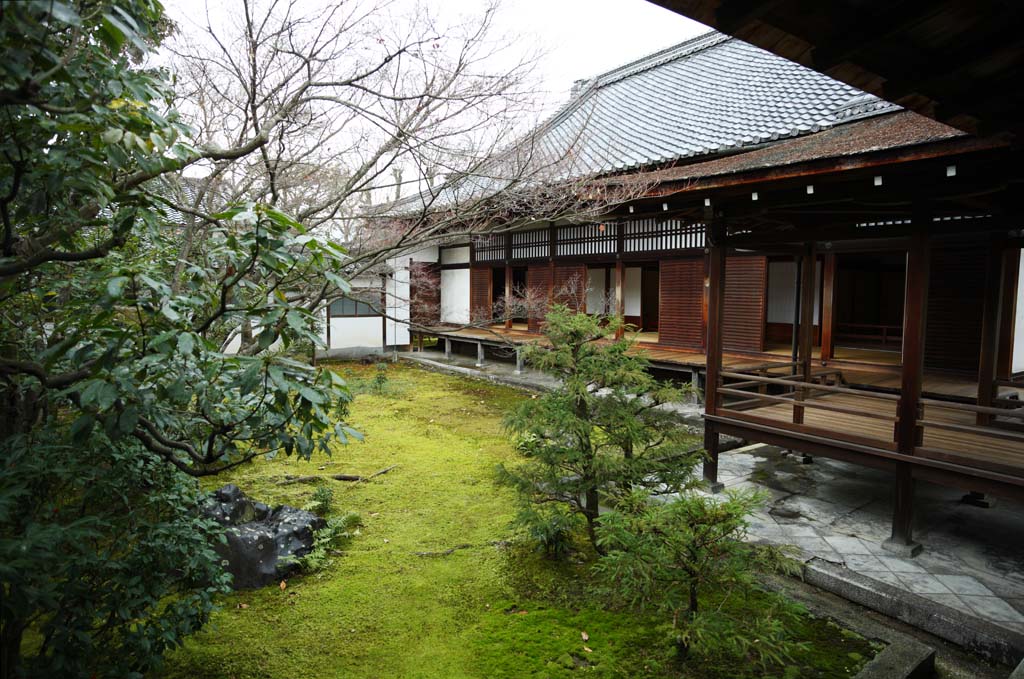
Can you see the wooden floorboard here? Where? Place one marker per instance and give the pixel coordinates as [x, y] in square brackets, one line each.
[967, 448]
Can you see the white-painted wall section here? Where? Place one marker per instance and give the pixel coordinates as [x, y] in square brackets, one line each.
[631, 290]
[454, 295]
[459, 255]
[782, 291]
[595, 291]
[1018, 328]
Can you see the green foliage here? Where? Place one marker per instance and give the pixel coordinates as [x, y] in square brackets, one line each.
[601, 433]
[322, 501]
[108, 349]
[550, 528]
[102, 549]
[338, 531]
[380, 378]
[670, 555]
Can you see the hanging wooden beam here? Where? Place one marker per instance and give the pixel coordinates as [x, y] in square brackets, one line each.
[990, 321]
[828, 301]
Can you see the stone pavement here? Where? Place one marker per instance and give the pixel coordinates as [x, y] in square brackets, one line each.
[973, 558]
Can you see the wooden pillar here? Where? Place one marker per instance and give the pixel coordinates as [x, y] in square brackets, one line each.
[908, 433]
[508, 296]
[519, 360]
[828, 302]
[620, 296]
[797, 281]
[447, 349]
[479, 354]
[716, 295]
[1011, 272]
[807, 272]
[990, 321]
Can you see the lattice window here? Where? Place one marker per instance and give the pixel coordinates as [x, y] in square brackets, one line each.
[586, 239]
[530, 244]
[489, 247]
[648, 235]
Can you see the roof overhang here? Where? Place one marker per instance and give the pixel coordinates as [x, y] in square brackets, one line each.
[954, 61]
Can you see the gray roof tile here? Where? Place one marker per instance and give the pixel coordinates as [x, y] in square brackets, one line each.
[707, 95]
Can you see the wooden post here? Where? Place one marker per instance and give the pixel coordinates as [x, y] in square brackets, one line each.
[1011, 271]
[620, 295]
[908, 433]
[479, 354]
[447, 349]
[519, 360]
[508, 295]
[795, 335]
[828, 301]
[716, 294]
[990, 320]
[807, 272]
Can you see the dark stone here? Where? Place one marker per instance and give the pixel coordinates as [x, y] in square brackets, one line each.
[260, 540]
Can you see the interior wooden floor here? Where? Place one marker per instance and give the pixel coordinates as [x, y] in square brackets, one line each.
[967, 448]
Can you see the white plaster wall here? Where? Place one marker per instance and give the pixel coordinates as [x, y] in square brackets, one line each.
[455, 255]
[595, 291]
[397, 303]
[782, 288]
[455, 295]
[1018, 328]
[428, 254]
[631, 290]
[356, 332]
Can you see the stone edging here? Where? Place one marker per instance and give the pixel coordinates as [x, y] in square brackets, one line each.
[974, 634]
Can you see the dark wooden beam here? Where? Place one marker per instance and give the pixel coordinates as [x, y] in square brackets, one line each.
[908, 433]
[807, 275]
[828, 301]
[715, 237]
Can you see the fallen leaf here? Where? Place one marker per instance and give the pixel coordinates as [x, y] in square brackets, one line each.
[586, 637]
[283, 585]
[588, 650]
[243, 606]
[521, 613]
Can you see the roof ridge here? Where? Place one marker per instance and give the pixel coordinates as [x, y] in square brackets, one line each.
[654, 59]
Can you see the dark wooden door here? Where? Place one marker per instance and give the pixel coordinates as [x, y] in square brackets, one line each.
[649, 294]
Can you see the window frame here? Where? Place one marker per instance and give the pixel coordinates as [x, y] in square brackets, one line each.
[354, 297]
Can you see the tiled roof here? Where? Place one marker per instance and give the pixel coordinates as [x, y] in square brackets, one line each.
[710, 95]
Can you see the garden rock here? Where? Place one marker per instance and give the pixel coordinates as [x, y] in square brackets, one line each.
[262, 543]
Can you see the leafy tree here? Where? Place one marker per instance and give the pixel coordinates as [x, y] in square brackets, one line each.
[114, 395]
[671, 555]
[600, 434]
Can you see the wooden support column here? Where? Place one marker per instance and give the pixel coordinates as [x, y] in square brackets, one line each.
[519, 360]
[716, 296]
[807, 271]
[447, 349]
[1011, 271]
[828, 303]
[620, 296]
[908, 432]
[479, 354]
[795, 340]
[508, 296]
[990, 321]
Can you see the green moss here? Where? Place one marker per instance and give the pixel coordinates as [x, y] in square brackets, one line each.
[486, 610]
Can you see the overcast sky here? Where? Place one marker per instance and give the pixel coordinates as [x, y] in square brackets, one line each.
[579, 38]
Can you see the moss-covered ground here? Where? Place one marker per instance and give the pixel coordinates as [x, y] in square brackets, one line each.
[490, 608]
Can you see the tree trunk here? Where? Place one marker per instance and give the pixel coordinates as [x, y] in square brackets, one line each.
[592, 511]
